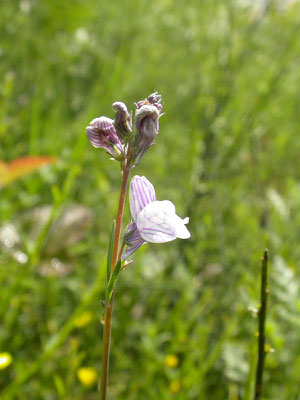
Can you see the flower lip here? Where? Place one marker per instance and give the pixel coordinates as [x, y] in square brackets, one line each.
[158, 223]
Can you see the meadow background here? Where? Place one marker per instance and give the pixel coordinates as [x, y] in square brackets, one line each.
[228, 156]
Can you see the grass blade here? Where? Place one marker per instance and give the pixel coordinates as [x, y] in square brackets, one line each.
[113, 280]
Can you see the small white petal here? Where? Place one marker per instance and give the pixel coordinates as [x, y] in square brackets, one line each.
[179, 225]
[154, 224]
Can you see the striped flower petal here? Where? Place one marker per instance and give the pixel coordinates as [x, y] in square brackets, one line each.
[141, 193]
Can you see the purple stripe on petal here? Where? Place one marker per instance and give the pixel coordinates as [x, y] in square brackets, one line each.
[140, 194]
[146, 198]
[150, 189]
[141, 190]
[155, 231]
[132, 199]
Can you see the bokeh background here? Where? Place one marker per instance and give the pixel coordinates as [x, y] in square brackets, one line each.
[228, 156]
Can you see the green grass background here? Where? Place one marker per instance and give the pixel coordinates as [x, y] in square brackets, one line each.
[228, 156]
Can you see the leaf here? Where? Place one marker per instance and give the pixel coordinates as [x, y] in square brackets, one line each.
[20, 167]
[113, 280]
[110, 249]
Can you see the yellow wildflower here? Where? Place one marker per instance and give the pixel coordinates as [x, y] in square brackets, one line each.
[87, 376]
[83, 319]
[174, 386]
[171, 361]
[5, 360]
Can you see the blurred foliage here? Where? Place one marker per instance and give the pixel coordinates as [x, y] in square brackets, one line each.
[16, 169]
[227, 155]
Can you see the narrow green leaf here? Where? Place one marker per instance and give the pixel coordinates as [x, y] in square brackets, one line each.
[110, 249]
[113, 280]
[56, 194]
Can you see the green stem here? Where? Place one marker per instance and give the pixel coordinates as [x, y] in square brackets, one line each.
[109, 307]
[262, 312]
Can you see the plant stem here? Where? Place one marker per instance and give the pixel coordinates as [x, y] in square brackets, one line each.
[109, 306]
[262, 312]
[126, 172]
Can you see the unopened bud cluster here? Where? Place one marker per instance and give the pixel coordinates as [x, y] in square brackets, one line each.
[123, 139]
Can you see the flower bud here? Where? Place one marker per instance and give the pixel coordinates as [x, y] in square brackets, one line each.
[123, 123]
[146, 122]
[102, 133]
[140, 104]
[154, 98]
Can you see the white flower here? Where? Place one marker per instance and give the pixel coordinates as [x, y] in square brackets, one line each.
[153, 221]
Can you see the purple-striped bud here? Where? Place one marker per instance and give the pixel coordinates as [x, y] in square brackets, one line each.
[146, 122]
[153, 99]
[123, 123]
[102, 133]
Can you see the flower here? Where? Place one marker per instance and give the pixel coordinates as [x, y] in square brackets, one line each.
[5, 360]
[153, 98]
[102, 133]
[152, 221]
[87, 376]
[146, 123]
[171, 361]
[123, 123]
